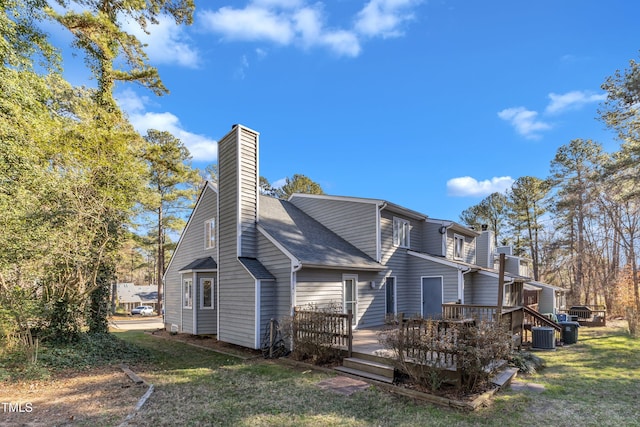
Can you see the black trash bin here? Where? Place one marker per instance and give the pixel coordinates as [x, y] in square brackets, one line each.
[569, 332]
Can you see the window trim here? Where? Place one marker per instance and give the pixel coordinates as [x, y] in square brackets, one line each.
[187, 292]
[405, 225]
[210, 233]
[202, 293]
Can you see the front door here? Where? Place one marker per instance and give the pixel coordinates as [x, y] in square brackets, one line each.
[432, 297]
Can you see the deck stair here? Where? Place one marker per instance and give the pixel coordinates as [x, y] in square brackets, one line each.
[543, 320]
[504, 377]
[367, 369]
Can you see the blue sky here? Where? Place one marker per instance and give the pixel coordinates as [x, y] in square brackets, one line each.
[429, 104]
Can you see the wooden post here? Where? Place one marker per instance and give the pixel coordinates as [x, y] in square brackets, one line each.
[350, 331]
[271, 337]
[500, 287]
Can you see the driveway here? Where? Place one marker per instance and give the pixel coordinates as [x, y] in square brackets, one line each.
[136, 323]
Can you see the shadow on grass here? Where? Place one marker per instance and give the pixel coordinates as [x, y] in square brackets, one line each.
[194, 386]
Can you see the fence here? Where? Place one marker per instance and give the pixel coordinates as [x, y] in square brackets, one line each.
[589, 315]
[328, 328]
[433, 340]
[512, 317]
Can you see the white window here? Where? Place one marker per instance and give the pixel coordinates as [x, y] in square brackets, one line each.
[210, 233]
[350, 295]
[390, 290]
[401, 231]
[187, 285]
[207, 293]
[458, 246]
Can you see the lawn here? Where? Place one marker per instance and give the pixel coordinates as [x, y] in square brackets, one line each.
[595, 382]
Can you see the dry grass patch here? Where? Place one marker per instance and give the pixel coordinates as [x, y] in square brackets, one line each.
[100, 396]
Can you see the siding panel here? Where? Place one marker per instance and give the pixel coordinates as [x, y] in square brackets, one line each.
[355, 222]
[190, 247]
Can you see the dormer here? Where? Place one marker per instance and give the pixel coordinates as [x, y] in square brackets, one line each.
[451, 240]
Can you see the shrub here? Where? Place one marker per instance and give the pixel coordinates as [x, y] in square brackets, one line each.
[313, 335]
[424, 350]
[527, 363]
[481, 347]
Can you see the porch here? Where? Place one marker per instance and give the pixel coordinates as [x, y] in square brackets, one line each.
[365, 355]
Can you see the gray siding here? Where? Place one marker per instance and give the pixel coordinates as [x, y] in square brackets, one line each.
[206, 319]
[355, 222]
[485, 249]
[548, 302]
[432, 241]
[276, 295]
[190, 247]
[323, 288]
[485, 290]
[397, 262]
[469, 250]
[248, 164]
[424, 268]
[236, 287]
[512, 265]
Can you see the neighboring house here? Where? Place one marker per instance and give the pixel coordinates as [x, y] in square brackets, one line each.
[127, 296]
[551, 299]
[245, 258]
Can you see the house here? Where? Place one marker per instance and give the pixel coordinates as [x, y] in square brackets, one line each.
[126, 296]
[245, 258]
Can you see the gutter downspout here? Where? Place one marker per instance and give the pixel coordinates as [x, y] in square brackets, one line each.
[294, 278]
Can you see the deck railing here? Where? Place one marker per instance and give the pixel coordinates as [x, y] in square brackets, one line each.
[512, 317]
[589, 315]
[326, 327]
[414, 331]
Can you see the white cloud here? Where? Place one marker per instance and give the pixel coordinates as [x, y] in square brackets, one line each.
[244, 65]
[299, 23]
[201, 147]
[572, 100]
[527, 123]
[384, 18]
[279, 183]
[524, 121]
[166, 43]
[250, 24]
[468, 186]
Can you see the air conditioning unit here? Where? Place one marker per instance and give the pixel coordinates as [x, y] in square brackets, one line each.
[543, 338]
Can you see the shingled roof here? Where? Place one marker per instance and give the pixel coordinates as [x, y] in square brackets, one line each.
[310, 242]
[207, 263]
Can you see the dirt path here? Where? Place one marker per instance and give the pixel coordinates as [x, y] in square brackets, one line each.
[100, 396]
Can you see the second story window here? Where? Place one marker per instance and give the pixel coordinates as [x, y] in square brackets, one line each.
[458, 246]
[401, 231]
[210, 234]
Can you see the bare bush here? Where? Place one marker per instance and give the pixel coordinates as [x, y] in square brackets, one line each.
[427, 351]
[315, 335]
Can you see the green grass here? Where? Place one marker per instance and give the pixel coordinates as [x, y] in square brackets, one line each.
[595, 382]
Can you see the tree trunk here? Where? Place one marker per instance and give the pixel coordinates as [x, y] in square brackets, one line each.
[160, 265]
